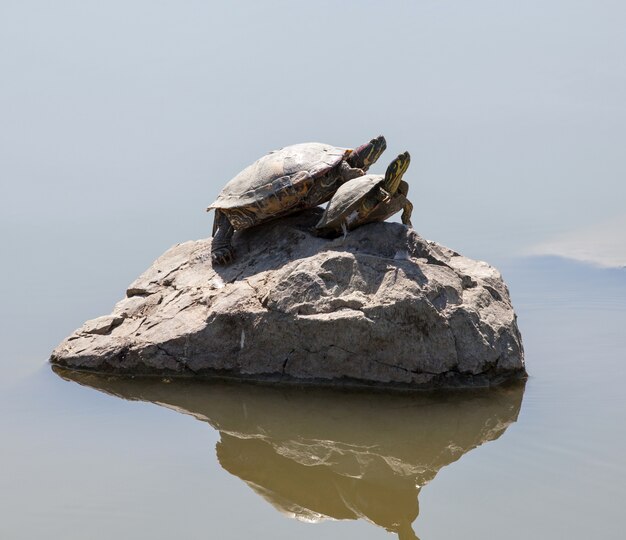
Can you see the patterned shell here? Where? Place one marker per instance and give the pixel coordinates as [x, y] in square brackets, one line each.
[347, 199]
[272, 172]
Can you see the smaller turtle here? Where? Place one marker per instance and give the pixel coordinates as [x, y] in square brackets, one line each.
[367, 199]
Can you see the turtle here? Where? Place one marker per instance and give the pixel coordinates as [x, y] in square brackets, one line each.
[283, 182]
[369, 198]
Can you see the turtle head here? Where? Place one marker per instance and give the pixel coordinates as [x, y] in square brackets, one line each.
[395, 171]
[366, 155]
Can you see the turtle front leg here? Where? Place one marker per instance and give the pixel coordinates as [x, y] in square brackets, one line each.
[222, 251]
[384, 210]
[377, 205]
[348, 173]
[407, 209]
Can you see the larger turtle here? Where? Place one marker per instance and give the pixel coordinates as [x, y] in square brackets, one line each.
[367, 199]
[285, 181]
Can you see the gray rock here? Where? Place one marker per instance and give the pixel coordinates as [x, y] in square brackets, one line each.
[384, 306]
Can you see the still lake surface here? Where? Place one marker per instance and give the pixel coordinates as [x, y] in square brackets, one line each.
[89, 457]
[120, 122]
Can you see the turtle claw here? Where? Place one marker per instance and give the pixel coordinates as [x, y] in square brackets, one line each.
[222, 256]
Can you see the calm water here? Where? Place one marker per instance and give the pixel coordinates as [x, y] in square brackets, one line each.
[90, 457]
[121, 121]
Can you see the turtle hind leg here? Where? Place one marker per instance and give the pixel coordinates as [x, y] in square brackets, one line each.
[222, 251]
[366, 155]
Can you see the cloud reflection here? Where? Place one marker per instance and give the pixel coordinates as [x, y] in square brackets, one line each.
[603, 244]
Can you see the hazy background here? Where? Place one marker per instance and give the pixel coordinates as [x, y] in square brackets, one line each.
[120, 122]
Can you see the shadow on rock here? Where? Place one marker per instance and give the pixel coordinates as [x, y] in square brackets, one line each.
[270, 245]
[316, 454]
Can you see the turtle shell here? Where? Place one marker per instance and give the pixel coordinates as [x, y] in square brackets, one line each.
[287, 167]
[345, 202]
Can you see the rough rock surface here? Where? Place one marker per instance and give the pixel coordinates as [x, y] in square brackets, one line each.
[384, 306]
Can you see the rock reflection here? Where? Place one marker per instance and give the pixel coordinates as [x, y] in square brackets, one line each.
[319, 454]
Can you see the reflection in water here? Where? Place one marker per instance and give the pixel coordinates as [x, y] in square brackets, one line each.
[317, 454]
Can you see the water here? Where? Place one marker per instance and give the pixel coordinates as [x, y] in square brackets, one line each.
[120, 123]
[86, 456]
[316, 455]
